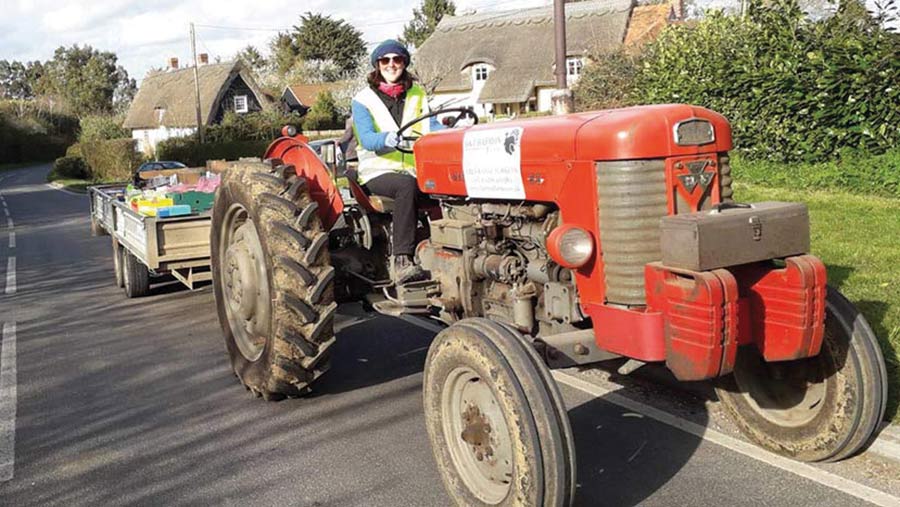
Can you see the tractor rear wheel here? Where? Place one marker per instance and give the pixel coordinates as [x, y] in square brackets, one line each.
[272, 280]
[824, 408]
[497, 424]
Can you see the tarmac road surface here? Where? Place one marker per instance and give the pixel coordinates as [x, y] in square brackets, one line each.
[111, 401]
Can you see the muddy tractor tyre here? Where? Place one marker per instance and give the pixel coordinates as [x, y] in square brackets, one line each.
[824, 408]
[497, 424]
[272, 279]
[135, 276]
[117, 251]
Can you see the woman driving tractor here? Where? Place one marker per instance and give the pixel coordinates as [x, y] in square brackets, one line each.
[392, 99]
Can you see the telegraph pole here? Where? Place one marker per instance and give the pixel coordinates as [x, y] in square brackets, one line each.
[562, 99]
[196, 84]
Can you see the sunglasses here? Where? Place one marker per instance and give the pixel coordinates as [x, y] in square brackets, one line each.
[384, 60]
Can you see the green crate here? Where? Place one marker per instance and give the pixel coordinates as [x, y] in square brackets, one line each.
[198, 201]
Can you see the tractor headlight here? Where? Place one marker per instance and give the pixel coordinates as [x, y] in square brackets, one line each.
[570, 246]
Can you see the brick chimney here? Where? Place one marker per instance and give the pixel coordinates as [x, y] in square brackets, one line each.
[173, 63]
[204, 58]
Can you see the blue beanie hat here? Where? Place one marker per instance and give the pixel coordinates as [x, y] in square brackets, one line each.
[387, 47]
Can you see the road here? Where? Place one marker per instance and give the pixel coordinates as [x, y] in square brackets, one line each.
[110, 401]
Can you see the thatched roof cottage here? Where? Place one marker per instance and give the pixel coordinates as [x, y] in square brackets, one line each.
[503, 62]
[165, 105]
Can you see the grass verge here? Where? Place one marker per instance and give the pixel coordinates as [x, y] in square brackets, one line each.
[858, 238]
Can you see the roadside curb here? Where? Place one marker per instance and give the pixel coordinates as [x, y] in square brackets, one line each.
[57, 186]
[887, 443]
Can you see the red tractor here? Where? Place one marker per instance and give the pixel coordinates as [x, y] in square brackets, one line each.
[551, 242]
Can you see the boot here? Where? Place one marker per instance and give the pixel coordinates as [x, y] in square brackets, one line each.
[406, 270]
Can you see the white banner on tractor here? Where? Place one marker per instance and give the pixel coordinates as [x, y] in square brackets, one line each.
[492, 163]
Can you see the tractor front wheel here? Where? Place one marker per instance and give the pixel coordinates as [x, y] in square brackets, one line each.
[824, 408]
[272, 280]
[498, 428]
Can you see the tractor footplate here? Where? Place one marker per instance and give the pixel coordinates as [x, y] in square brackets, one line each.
[410, 298]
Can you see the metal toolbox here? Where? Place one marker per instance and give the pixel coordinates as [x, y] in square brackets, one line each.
[733, 234]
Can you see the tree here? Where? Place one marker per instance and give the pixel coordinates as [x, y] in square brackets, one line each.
[284, 53]
[425, 20]
[252, 58]
[320, 37]
[323, 114]
[18, 80]
[90, 81]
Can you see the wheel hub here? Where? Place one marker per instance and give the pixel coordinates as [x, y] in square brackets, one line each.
[787, 394]
[245, 284]
[482, 451]
[241, 281]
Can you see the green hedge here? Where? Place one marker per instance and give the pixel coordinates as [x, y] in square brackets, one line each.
[113, 160]
[793, 89]
[71, 168]
[852, 171]
[191, 153]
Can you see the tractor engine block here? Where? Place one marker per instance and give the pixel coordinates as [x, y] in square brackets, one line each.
[491, 260]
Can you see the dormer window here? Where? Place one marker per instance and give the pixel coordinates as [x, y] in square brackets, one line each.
[240, 104]
[160, 113]
[480, 72]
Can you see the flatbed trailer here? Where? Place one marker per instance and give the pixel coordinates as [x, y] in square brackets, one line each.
[147, 246]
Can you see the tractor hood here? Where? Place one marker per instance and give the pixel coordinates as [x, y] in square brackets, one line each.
[642, 132]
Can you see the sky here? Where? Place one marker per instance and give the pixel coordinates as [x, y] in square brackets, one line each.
[145, 34]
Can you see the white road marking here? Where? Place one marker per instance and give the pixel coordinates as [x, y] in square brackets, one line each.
[6, 211]
[8, 402]
[9, 223]
[12, 239]
[11, 276]
[802, 469]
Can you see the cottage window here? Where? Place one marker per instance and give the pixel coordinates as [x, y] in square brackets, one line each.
[480, 72]
[240, 104]
[573, 67]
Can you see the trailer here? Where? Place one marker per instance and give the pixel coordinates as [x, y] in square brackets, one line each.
[145, 247]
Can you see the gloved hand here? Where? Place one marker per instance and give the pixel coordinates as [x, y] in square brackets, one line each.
[392, 140]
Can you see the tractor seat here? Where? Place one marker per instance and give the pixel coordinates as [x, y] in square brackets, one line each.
[371, 203]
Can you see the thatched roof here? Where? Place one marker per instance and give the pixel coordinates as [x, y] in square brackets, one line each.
[173, 91]
[647, 21]
[518, 44]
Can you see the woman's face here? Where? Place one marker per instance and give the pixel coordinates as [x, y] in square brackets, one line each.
[391, 67]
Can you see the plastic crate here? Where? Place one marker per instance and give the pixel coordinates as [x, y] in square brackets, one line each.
[198, 201]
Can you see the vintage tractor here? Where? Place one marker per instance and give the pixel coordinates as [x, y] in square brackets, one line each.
[551, 242]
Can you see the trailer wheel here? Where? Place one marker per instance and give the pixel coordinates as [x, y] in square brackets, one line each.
[824, 408]
[272, 279]
[117, 263]
[96, 228]
[498, 429]
[136, 276]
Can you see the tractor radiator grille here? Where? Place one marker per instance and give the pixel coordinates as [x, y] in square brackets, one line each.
[633, 198]
[725, 178]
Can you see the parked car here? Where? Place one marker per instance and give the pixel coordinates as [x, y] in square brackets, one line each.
[158, 165]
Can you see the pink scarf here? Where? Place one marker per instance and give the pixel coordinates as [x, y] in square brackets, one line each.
[392, 90]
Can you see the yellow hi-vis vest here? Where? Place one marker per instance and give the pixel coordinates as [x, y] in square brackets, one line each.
[372, 164]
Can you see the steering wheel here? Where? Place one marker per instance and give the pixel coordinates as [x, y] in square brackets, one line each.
[406, 141]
